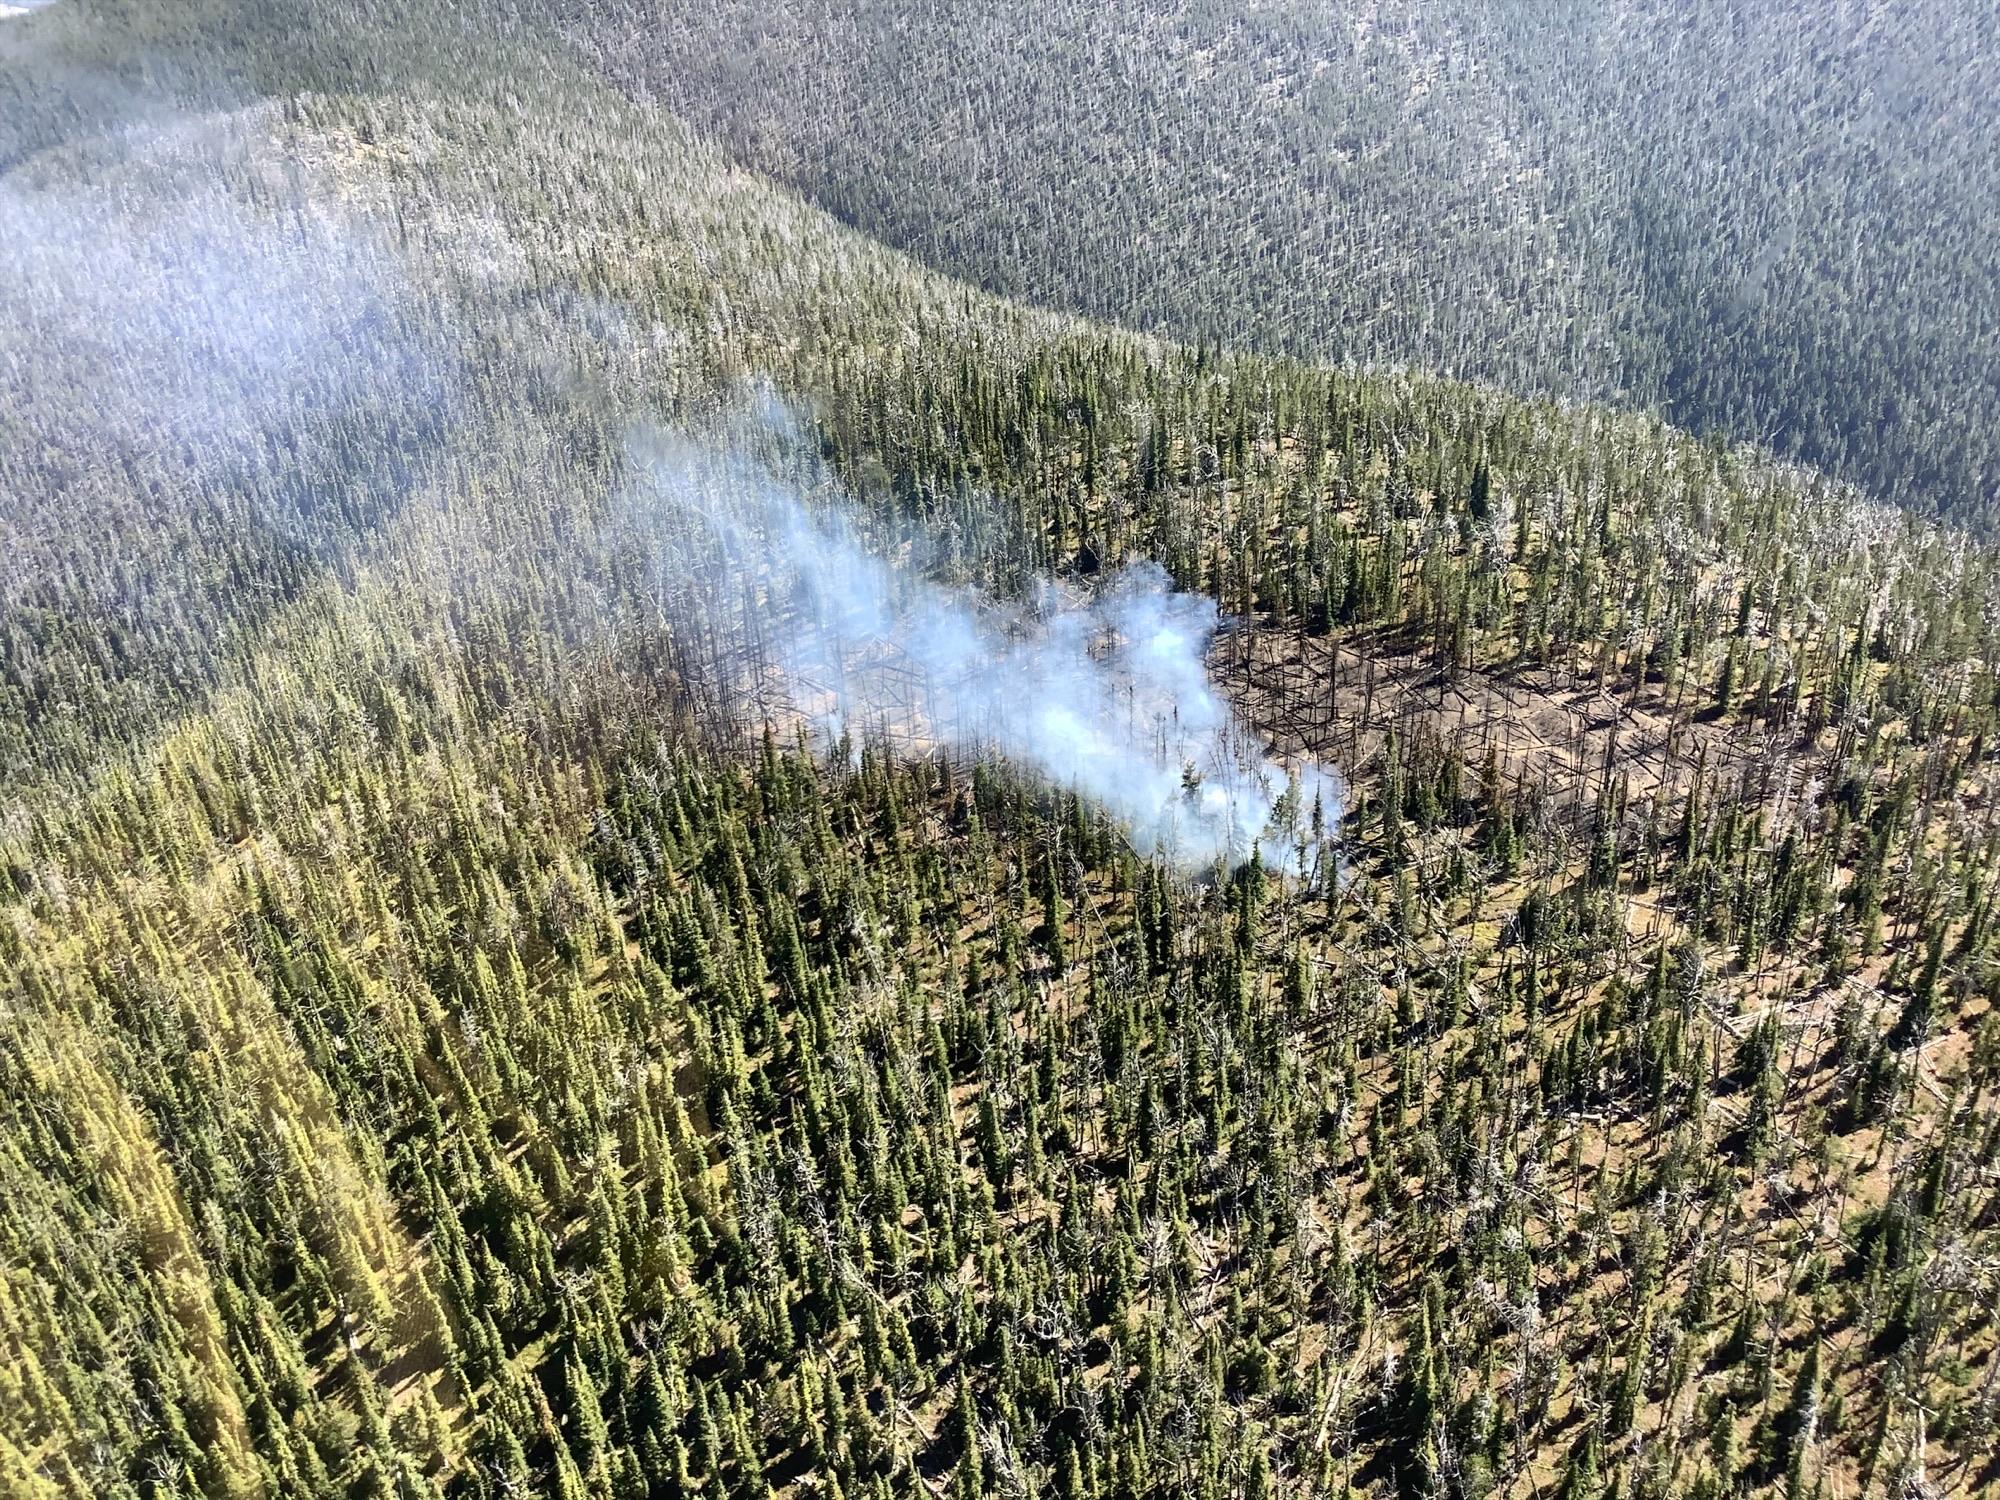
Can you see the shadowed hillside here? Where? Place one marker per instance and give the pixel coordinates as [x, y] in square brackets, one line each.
[1763, 219]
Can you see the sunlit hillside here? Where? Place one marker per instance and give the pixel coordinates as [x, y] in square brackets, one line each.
[550, 943]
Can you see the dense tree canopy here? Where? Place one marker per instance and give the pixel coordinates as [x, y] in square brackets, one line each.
[1766, 219]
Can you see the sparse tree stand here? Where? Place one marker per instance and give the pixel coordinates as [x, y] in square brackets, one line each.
[451, 1048]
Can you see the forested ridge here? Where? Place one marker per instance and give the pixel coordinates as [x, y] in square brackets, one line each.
[451, 1048]
[1763, 219]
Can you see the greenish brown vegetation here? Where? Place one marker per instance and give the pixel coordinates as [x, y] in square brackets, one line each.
[444, 1052]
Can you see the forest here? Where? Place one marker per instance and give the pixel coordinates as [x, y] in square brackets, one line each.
[1764, 219]
[471, 1027]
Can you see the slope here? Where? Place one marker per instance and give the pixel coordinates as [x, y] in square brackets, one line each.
[445, 1053]
[1758, 219]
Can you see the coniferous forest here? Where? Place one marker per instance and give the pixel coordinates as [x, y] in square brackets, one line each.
[474, 1024]
[1769, 219]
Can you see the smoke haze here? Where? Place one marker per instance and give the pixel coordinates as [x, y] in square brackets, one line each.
[1106, 693]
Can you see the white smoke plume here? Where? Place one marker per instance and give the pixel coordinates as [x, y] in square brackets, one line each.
[1105, 693]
